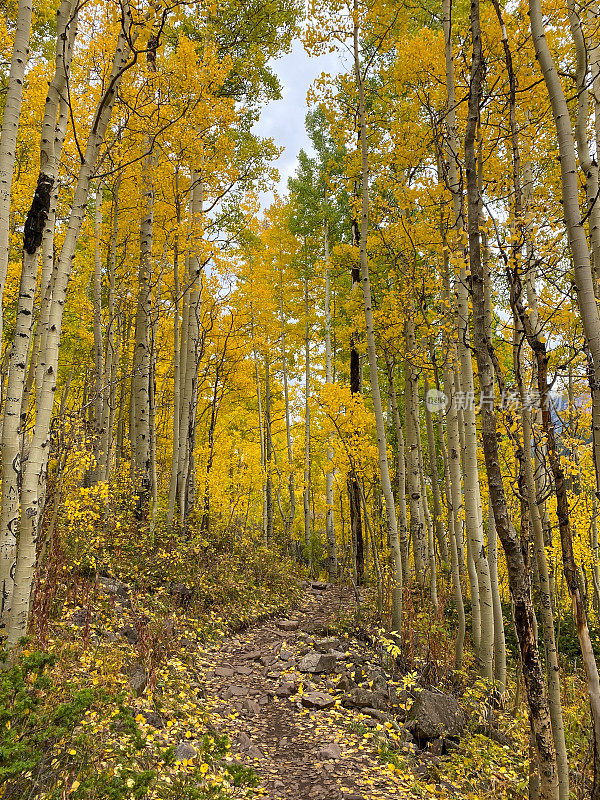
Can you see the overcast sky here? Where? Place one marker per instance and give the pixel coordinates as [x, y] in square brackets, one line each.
[283, 121]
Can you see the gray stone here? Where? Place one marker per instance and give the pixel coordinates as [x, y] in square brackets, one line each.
[318, 700]
[251, 706]
[224, 672]
[365, 698]
[325, 645]
[246, 745]
[330, 751]
[184, 750]
[287, 624]
[346, 684]
[234, 691]
[435, 715]
[380, 684]
[319, 586]
[285, 689]
[317, 662]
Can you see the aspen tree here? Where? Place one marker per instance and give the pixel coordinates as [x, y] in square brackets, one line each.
[517, 573]
[329, 515]
[372, 350]
[483, 621]
[10, 128]
[32, 241]
[35, 468]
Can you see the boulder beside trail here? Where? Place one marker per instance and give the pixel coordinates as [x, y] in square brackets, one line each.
[317, 662]
[434, 715]
[365, 698]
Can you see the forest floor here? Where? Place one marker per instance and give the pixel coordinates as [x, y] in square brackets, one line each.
[287, 724]
[275, 690]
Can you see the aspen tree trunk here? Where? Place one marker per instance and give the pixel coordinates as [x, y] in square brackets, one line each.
[98, 349]
[479, 575]
[152, 395]
[263, 456]
[109, 395]
[141, 353]
[452, 539]
[353, 484]
[430, 534]
[36, 364]
[268, 452]
[586, 53]
[377, 407]
[563, 513]
[185, 390]
[176, 365]
[499, 637]
[582, 271]
[191, 353]
[288, 427]
[400, 472]
[10, 127]
[518, 579]
[413, 432]
[552, 665]
[32, 240]
[435, 481]
[332, 564]
[34, 472]
[451, 456]
[306, 493]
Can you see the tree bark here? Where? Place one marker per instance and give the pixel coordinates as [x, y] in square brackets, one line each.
[10, 128]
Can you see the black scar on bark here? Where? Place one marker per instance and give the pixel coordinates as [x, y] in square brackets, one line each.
[38, 214]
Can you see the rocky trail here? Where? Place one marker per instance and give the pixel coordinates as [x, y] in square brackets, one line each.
[305, 709]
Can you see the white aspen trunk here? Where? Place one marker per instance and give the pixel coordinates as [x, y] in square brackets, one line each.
[306, 493]
[36, 364]
[288, 427]
[545, 597]
[268, 451]
[430, 534]
[479, 575]
[185, 392]
[499, 637]
[152, 397]
[384, 473]
[586, 54]
[411, 407]
[32, 240]
[10, 127]
[582, 270]
[34, 474]
[176, 367]
[141, 353]
[332, 564]
[263, 455]
[591, 325]
[109, 393]
[97, 327]
[435, 481]
[454, 566]
[402, 519]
